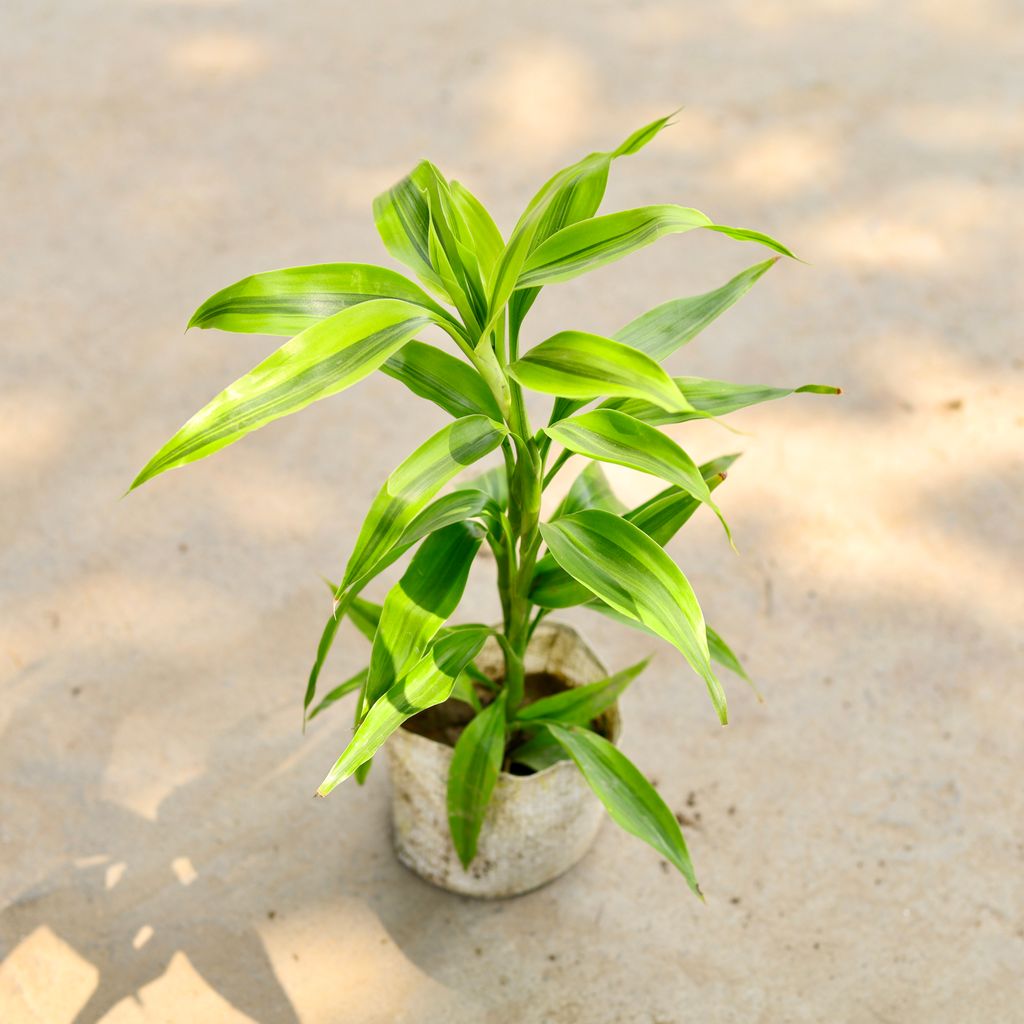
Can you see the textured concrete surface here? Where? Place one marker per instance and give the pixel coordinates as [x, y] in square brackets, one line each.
[858, 835]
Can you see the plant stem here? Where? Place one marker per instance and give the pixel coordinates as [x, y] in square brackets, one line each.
[524, 487]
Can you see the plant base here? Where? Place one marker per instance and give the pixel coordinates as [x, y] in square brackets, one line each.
[537, 826]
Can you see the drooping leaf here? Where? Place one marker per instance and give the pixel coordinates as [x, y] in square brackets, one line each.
[660, 331]
[593, 243]
[722, 653]
[472, 775]
[285, 302]
[590, 489]
[632, 801]
[419, 603]
[711, 397]
[620, 564]
[428, 682]
[661, 517]
[582, 366]
[351, 685]
[442, 379]
[409, 488]
[610, 436]
[580, 705]
[323, 360]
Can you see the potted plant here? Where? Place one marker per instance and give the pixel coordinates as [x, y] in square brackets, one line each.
[503, 738]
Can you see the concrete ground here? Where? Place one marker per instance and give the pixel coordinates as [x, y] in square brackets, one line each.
[858, 835]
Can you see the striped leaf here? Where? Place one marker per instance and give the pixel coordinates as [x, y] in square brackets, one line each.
[576, 365]
[321, 361]
[402, 216]
[627, 570]
[442, 379]
[430, 681]
[711, 398]
[365, 616]
[457, 507]
[478, 229]
[350, 685]
[722, 653]
[593, 243]
[408, 489]
[632, 802]
[590, 489]
[419, 604]
[662, 330]
[452, 255]
[660, 518]
[610, 436]
[397, 521]
[572, 194]
[472, 775]
[494, 483]
[286, 302]
[581, 704]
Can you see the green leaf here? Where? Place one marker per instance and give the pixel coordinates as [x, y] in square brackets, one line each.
[538, 752]
[493, 482]
[288, 301]
[632, 801]
[581, 704]
[662, 330]
[428, 682]
[402, 215]
[472, 775]
[365, 616]
[478, 227]
[576, 365]
[350, 685]
[419, 603]
[572, 194]
[620, 564]
[590, 489]
[611, 436]
[451, 257]
[593, 243]
[456, 507]
[722, 653]
[711, 397]
[323, 360]
[409, 488]
[442, 379]
[660, 518]
[465, 691]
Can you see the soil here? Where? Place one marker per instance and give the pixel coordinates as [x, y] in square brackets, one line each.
[445, 722]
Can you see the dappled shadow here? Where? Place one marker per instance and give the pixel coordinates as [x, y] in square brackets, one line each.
[158, 797]
[135, 890]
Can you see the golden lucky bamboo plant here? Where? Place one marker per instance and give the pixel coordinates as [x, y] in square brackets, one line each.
[348, 320]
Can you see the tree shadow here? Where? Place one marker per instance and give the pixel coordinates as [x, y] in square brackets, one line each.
[135, 891]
